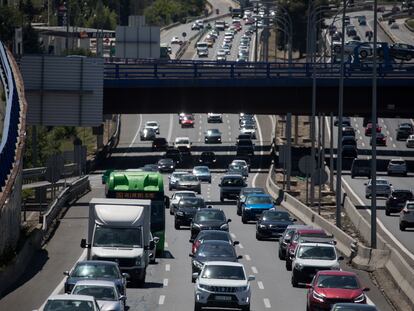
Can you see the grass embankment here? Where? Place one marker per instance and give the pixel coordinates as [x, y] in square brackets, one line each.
[410, 23]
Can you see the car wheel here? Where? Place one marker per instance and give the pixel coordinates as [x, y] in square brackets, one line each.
[221, 199]
[246, 308]
[352, 176]
[171, 211]
[280, 255]
[197, 306]
[363, 54]
[294, 281]
[366, 196]
[177, 225]
[238, 212]
[387, 213]
[408, 57]
[288, 265]
[402, 227]
[244, 219]
[258, 237]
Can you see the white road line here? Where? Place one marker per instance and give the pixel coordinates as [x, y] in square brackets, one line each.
[165, 283]
[170, 128]
[363, 144]
[136, 134]
[272, 133]
[388, 133]
[233, 236]
[390, 138]
[394, 145]
[267, 303]
[59, 288]
[161, 300]
[165, 244]
[254, 180]
[167, 267]
[358, 131]
[241, 245]
[247, 257]
[369, 301]
[254, 269]
[260, 284]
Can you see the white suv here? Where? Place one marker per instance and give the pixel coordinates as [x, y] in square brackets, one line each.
[397, 167]
[153, 125]
[222, 284]
[312, 257]
[181, 142]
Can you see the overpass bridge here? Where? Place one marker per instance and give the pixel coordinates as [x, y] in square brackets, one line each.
[149, 86]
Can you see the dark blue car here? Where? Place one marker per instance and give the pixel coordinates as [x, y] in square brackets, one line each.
[272, 224]
[255, 205]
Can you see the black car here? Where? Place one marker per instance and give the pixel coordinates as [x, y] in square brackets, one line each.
[346, 121]
[349, 141]
[211, 235]
[150, 168]
[212, 136]
[209, 219]
[396, 201]
[243, 195]
[186, 209]
[349, 151]
[212, 251]
[230, 186]
[244, 136]
[348, 131]
[166, 165]
[404, 131]
[361, 167]
[97, 270]
[175, 154]
[272, 224]
[402, 51]
[207, 158]
[245, 147]
[159, 144]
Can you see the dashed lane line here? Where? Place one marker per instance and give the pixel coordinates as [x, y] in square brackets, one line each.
[247, 257]
[267, 303]
[241, 245]
[260, 284]
[165, 283]
[161, 300]
[165, 244]
[167, 267]
[254, 269]
[233, 236]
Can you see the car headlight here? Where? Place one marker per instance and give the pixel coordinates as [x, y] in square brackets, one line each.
[242, 288]
[318, 296]
[172, 166]
[247, 208]
[335, 267]
[206, 287]
[299, 267]
[262, 226]
[198, 264]
[179, 213]
[224, 227]
[219, 138]
[360, 298]
[138, 261]
[196, 225]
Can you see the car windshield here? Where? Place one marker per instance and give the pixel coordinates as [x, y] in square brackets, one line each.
[152, 124]
[99, 292]
[402, 195]
[258, 200]
[410, 206]
[397, 162]
[249, 127]
[338, 281]
[381, 182]
[95, 271]
[214, 235]
[210, 215]
[192, 202]
[216, 250]
[316, 252]
[239, 162]
[223, 272]
[177, 174]
[166, 161]
[188, 178]
[201, 170]
[181, 195]
[68, 304]
[117, 237]
[232, 182]
[182, 141]
[278, 216]
[213, 131]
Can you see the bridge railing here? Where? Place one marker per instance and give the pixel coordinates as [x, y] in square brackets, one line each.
[11, 118]
[187, 69]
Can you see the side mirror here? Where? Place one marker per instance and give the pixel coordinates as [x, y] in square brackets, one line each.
[366, 289]
[340, 258]
[122, 298]
[126, 275]
[240, 257]
[194, 277]
[191, 241]
[156, 240]
[219, 185]
[191, 255]
[251, 278]
[365, 184]
[390, 184]
[236, 243]
[150, 246]
[228, 220]
[209, 206]
[66, 273]
[84, 244]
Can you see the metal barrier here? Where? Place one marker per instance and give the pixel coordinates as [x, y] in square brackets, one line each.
[69, 194]
[38, 173]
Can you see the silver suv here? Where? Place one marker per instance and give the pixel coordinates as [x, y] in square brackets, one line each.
[407, 216]
[222, 284]
[397, 167]
[383, 188]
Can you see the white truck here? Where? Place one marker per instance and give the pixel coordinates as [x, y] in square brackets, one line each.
[119, 230]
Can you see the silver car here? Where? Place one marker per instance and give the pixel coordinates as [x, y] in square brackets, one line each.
[173, 179]
[67, 302]
[397, 167]
[383, 188]
[407, 216]
[189, 182]
[105, 292]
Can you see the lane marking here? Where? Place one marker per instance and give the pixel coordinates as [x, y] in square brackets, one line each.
[165, 244]
[167, 267]
[165, 283]
[136, 134]
[362, 144]
[161, 300]
[254, 269]
[241, 245]
[394, 145]
[267, 303]
[247, 257]
[233, 236]
[260, 284]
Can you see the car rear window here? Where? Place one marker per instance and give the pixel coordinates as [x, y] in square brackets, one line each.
[232, 181]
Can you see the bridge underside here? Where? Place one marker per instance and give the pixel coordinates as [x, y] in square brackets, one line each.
[395, 97]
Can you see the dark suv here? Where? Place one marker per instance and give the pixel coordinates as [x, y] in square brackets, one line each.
[245, 147]
[186, 209]
[175, 154]
[396, 201]
[230, 186]
[404, 131]
[361, 167]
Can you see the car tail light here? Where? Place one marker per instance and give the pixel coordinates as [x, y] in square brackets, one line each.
[195, 246]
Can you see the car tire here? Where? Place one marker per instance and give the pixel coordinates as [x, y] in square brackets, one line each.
[177, 225]
[294, 281]
[246, 308]
[221, 199]
[258, 237]
[408, 57]
[171, 211]
[280, 255]
[387, 213]
[288, 265]
[352, 176]
[243, 219]
[197, 306]
[366, 196]
[238, 212]
[363, 54]
[402, 227]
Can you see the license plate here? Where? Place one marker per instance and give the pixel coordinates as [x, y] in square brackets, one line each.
[225, 298]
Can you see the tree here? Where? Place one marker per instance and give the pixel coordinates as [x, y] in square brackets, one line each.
[9, 20]
[31, 44]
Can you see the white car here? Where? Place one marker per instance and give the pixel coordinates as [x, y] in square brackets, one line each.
[410, 141]
[241, 163]
[181, 142]
[383, 188]
[226, 48]
[397, 167]
[176, 40]
[154, 125]
[153, 251]
[214, 117]
[222, 284]
[67, 302]
[309, 258]
[249, 129]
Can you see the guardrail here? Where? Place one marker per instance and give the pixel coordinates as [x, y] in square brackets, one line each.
[69, 194]
[11, 119]
[38, 173]
[186, 69]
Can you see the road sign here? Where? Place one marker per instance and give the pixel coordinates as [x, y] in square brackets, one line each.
[54, 168]
[305, 164]
[319, 177]
[184, 34]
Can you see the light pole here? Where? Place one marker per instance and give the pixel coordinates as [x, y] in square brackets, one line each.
[290, 25]
[287, 33]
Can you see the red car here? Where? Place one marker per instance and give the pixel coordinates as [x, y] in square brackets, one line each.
[368, 129]
[290, 250]
[333, 286]
[187, 121]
